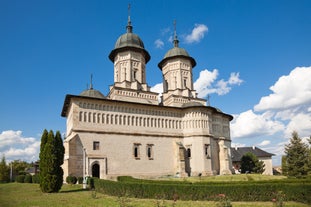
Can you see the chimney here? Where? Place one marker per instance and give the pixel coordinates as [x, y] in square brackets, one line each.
[254, 147]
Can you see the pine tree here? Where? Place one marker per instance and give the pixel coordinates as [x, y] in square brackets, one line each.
[250, 163]
[51, 159]
[297, 157]
[284, 165]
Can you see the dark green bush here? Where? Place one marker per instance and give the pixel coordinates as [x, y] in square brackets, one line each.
[80, 180]
[20, 178]
[90, 182]
[28, 178]
[244, 191]
[70, 179]
[35, 179]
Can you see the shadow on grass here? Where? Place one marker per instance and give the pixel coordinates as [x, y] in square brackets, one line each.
[74, 190]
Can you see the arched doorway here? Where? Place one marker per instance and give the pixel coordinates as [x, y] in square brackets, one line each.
[95, 170]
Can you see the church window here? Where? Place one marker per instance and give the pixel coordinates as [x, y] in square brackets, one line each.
[98, 118]
[90, 117]
[206, 150]
[85, 117]
[135, 74]
[189, 153]
[136, 151]
[95, 145]
[150, 151]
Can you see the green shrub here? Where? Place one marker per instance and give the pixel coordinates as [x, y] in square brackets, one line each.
[36, 178]
[90, 182]
[80, 180]
[28, 178]
[245, 191]
[71, 179]
[20, 178]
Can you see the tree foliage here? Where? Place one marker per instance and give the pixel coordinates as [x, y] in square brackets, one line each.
[251, 164]
[297, 156]
[4, 171]
[51, 158]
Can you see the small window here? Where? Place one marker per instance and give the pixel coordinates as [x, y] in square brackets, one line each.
[136, 151]
[189, 153]
[150, 151]
[206, 149]
[95, 145]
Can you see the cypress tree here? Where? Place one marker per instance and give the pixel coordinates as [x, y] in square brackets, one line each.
[297, 157]
[60, 151]
[51, 159]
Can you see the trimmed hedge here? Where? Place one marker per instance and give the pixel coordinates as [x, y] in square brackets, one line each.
[71, 179]
[245, 191]
[20, 178]
[28, 178]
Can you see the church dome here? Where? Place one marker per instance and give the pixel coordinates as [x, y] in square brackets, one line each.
[175, 52]
[92, 93]
[129, 41]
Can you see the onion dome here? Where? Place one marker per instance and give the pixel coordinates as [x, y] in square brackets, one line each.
[175, 52]
[129, 41]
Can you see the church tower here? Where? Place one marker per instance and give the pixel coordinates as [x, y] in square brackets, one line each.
[130, 58]
[176, 69]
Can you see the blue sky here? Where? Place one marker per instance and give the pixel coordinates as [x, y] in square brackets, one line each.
[253, 59]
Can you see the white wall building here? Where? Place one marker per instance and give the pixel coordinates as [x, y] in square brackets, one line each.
[128, 132]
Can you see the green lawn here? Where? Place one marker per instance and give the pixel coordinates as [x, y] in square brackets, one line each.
[30, 195]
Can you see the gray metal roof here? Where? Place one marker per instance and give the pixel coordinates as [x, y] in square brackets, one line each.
[92, 93]
[237, 153]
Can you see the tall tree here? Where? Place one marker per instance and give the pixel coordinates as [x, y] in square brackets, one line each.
[4, 171]
[51, 159]
[297, 157]
[60, 151]
[251, 164]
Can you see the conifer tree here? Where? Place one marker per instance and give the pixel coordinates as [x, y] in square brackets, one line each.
[251, 164]
[297, 157]
[51, 159]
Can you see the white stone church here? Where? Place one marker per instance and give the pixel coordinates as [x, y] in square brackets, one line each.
[129, 132]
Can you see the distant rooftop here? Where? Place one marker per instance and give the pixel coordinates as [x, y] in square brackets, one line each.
[238, 152]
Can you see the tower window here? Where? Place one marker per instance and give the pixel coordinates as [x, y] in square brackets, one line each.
[96, 145]
[185, 83]
[136, 151]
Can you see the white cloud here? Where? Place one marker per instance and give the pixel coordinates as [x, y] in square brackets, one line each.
[264, 143]
[17, 147]
[205, 83]
[301, 123]
[289, 91]
[158, 88]
[197, 33]
[159, 43]
[248, 124]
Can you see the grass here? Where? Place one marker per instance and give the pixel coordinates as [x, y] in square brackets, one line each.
[30, 195]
